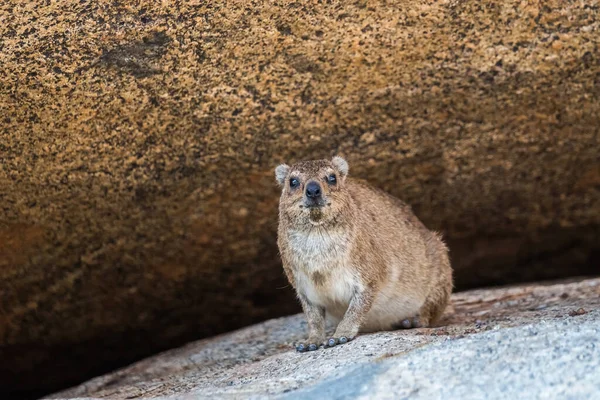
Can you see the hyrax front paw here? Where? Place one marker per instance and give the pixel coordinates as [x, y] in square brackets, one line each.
[335, 341]
[310, 344]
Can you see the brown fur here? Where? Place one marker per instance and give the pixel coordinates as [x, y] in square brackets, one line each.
[362, 257]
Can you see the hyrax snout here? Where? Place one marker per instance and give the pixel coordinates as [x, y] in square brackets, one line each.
[357, 255]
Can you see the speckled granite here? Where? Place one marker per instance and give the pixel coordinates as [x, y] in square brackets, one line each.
[488, 336]
[137, 203]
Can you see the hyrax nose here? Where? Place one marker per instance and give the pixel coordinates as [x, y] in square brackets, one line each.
[313, 190]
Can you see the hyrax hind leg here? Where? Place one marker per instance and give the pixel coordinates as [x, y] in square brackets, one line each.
[430, 311]
[440, 291]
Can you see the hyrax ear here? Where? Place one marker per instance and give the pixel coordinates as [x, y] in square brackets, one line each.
[341, 165]
[281, 172]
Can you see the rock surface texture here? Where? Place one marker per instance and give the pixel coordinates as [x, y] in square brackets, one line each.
[138, 140]
[536, 341]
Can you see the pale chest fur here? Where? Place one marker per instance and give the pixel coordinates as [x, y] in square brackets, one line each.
[322, 269]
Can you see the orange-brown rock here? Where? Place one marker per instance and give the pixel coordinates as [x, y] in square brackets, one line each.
[137, 141]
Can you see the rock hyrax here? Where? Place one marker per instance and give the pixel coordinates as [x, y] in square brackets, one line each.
[356, 253]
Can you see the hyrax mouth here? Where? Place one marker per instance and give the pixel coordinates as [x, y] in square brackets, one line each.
[313, 205]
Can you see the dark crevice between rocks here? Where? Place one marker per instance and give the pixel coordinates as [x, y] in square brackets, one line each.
[555, 253]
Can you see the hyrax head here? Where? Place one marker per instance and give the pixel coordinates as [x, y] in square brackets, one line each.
[313, 192]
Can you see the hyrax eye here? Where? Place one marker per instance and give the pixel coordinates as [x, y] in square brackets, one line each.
[294, 182]
[332, 179]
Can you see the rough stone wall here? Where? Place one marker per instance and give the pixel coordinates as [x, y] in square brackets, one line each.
[137, 142]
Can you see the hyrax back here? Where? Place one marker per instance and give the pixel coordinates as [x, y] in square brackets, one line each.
[357, 254]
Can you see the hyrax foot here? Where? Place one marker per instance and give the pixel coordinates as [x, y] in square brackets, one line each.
[302, 347]
[310, 344]
[335, 341]
[345, 332]
[409, 323]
